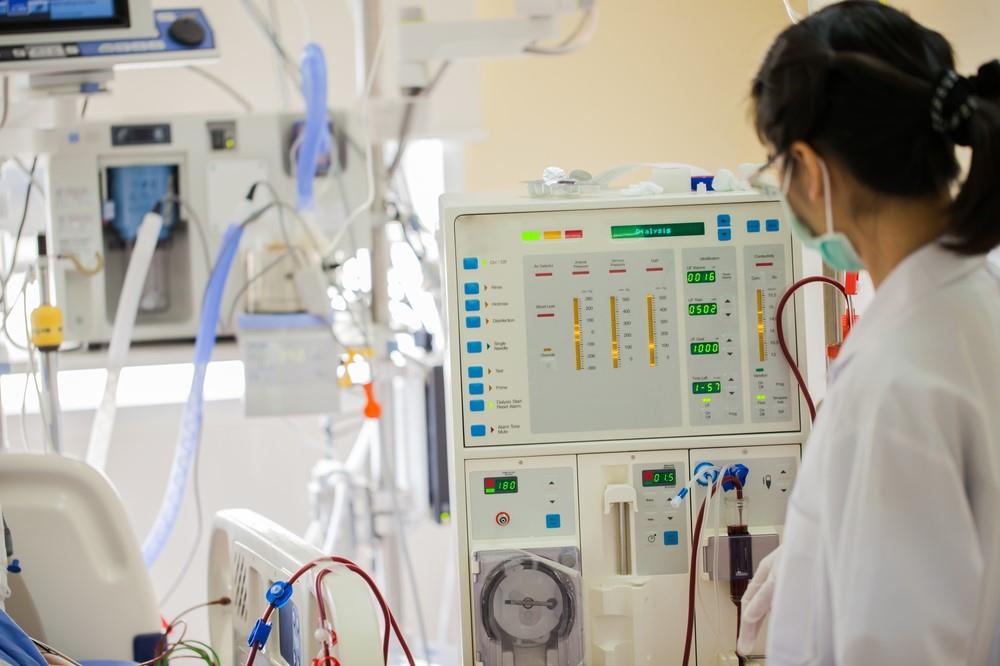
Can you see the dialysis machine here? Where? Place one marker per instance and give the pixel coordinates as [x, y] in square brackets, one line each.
[601, 349]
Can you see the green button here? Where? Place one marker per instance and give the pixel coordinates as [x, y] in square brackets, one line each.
[531, 235]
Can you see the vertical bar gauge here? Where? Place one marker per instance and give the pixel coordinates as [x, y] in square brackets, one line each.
[760, 324]
[614, 333]
[651, 330]
[576, 334]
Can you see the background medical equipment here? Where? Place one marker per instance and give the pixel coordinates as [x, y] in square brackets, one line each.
[76, 551]
[197, 171]
[248, 555]
[602, 349]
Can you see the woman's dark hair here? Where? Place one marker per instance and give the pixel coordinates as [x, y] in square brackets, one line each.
[875, 89]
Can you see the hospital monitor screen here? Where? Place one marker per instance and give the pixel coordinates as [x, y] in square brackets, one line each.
[42, 16]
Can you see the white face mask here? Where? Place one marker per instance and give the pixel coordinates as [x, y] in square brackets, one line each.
[835, 247]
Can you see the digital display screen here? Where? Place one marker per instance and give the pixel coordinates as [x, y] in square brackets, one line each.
[701, 309]
[702, 348]
[43, 15]
[499, 485]
[659, 477]
[698, 277]
[658, 230]
[706, 387]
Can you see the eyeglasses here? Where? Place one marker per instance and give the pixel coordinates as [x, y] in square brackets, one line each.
[767, 179]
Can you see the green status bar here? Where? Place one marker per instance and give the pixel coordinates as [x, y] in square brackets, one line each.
[658, 230]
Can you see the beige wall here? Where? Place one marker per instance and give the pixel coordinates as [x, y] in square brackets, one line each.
[663, 80]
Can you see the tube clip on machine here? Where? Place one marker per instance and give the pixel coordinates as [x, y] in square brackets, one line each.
[601, 350]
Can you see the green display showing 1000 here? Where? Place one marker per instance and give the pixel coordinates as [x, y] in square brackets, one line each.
[699, 348]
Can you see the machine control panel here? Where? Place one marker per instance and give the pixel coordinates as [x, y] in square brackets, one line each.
[511, 503]
[599, 324]
[661, 530]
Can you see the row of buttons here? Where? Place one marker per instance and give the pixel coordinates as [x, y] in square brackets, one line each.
[474, 347]
[724, 223]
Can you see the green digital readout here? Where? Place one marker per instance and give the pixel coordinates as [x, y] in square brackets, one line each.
[658, 230]
[701, 348]
[499, 485]
[659, 477]
[699, 277]
[701, 309]
[706, 387]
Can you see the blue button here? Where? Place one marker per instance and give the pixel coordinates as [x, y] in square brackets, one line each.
[473, 322]
[478, 431]
[772, 225]
[725, 234]
[724, 220]
[671, 538]
[475, 389]
[553, 521]
[753, 226]
[477, 406]
[470, 263]
[471, 288]
[475, 372]
[472, 305]
[474, 347]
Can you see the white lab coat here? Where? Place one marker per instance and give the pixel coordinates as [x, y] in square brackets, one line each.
[895, 519]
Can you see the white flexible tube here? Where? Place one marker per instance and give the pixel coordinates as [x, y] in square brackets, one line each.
[121, 337]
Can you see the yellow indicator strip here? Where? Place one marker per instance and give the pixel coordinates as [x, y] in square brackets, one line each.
[651, 330]
[576, 333]
[760, 323]
[614, 332]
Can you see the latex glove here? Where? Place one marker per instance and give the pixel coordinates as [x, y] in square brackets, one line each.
[757, 602]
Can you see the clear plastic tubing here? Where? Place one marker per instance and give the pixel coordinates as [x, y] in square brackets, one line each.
[190, 434]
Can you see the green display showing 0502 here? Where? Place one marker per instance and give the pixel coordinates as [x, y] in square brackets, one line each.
[700, 309]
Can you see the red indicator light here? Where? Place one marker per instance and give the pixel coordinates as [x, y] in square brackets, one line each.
[647, 475]
[491, 483]
[573, 233]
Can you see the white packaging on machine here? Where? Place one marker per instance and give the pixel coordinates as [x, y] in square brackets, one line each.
[600, 350]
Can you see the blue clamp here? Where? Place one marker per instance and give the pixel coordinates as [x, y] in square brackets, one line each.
[259, 634]
[14, 567]
[705, 473]
[740, 471]
[279, 593]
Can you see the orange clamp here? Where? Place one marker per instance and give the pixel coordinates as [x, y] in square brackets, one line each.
[373, 410]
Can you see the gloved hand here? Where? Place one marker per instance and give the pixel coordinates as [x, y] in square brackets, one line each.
[757, 602]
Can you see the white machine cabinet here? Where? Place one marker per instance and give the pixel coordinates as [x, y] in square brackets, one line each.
[600, 348]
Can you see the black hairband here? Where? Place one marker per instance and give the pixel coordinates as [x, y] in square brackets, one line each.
[957, 97]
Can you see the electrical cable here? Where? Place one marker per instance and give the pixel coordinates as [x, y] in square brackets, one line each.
[783, 344]
[274, 263]
[369, 156]
[406, 125]
[261, 22]
[44, 647]
[84, 107]
[20, 230]
[223, 86]
[576, 40]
